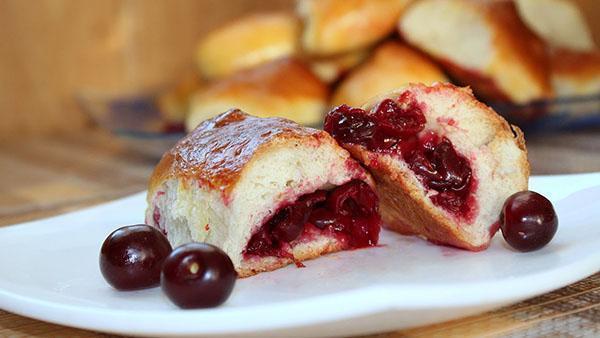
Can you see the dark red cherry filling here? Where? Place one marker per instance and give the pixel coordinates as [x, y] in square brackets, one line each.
[382, 130]
[442, 169]
[350, 212]
[394, 128]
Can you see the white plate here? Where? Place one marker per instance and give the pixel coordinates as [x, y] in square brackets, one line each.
[50, 272]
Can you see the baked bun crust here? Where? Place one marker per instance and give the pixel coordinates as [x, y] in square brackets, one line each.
[559, 22]
[575, 73]
[285, 88]
[337, 26]
[494, 150]
[392, 65]
[481, 43]
[220, 182]
[331, 68]
[247, 42]
[174, 104]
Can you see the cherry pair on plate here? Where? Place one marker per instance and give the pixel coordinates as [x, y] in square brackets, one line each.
[193, 275]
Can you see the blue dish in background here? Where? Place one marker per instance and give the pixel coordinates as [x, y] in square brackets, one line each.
[546, 116]
[136, 119]
[140, 123]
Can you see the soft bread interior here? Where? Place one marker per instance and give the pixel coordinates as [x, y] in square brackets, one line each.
[497, 156]
[448, 29]
[279, 173]
[483, 43]
[559, 22]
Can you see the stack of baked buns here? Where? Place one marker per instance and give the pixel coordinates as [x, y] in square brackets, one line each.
[297, 64]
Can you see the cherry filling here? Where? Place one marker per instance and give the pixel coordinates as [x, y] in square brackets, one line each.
[442, 169]
[394, 128]
[350, 212]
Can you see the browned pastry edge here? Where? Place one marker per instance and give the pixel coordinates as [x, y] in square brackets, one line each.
[217, 151]
[302, 256]
[518, 38]
[273, 77]
[373, 28]
[582, 65]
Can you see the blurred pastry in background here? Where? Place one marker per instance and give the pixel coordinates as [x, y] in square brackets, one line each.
[575, 73]
[174, 104]
[284, 88]
[337, 26]
[391, 66]
[574, 57]
[331, 68]
[559, 22]
[483, 44]
[247, 42]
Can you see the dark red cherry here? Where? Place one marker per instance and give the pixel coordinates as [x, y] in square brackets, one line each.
[322, 218]
[288, 223]
[314, 199]
[442, 169]
[364, 231]
[131, 257]
[261, 243]
[354, 198]
[399, 122]
[198, 275]
[350, 210]
[528, 221]
[352, 125]
[381, 130]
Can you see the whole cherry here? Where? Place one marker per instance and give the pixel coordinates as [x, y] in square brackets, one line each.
[131, 257]
[528, 221]
[198, 275]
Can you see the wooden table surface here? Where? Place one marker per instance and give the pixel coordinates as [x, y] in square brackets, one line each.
[43, 177]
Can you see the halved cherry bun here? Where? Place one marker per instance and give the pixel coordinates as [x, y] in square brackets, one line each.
[267, 191]
[443, 162]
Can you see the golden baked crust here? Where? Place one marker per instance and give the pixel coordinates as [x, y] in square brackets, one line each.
[336, 26]
[247, 42]
[392, 65]
[217, 151]
[330, 68]
[285, 88]
[575, 73]
[566, 61]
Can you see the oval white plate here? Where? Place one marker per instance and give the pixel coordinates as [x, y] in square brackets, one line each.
[50, 272]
